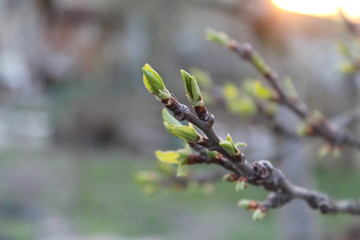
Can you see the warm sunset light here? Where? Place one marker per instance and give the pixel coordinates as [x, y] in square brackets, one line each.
[324, 8]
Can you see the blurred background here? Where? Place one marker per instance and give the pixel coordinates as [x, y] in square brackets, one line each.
[77, 123]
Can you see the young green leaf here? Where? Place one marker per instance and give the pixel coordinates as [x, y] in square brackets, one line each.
[170, 157]
[154, 83]
[193, 92]
[169, 119]
[229, 146]
[186, 133]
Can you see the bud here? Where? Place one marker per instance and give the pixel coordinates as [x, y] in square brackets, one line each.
[305, 130]
[259, 214]
[229, 146]
[290, 89]
[186, 133]
[230, 177]
[217, 37]
[154, 83]
[192, 89]
[248, 204]
[317, 117]
[241, 184]
[212, 154]
[259, 63]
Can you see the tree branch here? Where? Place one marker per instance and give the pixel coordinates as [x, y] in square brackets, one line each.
[259, 173]
[321, 128]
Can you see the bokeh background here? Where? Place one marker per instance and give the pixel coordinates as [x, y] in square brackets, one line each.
[76, 122]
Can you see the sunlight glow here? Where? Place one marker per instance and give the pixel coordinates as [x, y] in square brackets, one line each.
[324, 8]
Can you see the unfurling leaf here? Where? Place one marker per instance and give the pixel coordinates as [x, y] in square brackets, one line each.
[229, 146]
[169, 119]
[154, 83]
[186, 133]
[192, 89]
[170, 157]
[259, 214]
[217, 37]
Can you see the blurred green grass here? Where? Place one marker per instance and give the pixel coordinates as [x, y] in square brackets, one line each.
[104, 198]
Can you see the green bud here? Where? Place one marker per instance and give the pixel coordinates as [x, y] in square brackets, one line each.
[290, 88]
[240, 186]
[154, 83]
[212, 154]
[186, 133]
[259, 214]
[230, 177]
[244, 203]
[248, 204]
[259, 63]
[192, 89]
[217, 37]
[317, 116]
[229, 146]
